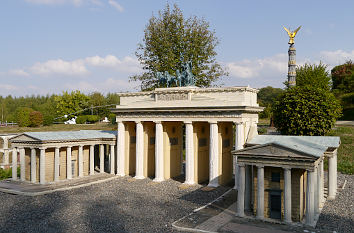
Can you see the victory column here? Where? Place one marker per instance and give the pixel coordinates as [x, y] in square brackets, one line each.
[292, 57]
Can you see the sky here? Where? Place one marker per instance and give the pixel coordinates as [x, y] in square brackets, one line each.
[51, 46]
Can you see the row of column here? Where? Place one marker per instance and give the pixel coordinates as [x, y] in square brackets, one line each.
[314, 192]
[189, 145]
[42, 162]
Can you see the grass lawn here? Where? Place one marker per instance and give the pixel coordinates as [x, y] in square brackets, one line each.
[346, 150]
[58, 127]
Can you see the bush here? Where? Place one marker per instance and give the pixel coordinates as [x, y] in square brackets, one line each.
[36, 119]
[5, 173]
[306, 111]
[87, 119]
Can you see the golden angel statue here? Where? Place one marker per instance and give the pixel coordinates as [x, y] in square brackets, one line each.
[291, 34]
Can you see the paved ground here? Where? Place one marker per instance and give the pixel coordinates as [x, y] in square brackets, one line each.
[129, 205]
[119, 205]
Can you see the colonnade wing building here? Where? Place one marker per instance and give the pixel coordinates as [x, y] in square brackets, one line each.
[151, 127]
[282, 177]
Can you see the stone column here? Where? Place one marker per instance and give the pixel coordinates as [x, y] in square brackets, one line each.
[260, 191]
[159, 162]
[81, 161]
[101, 158]
[42, 165]
[56, 164]
[317, 182]
[92, 159]
[332, 176]
[69, 173]
[139, 172]
[33, 165]
[112, 170]
[287, 194]
[214, 155]
[310, 198]
[14, 164]
[121, 149]
[22, 165]
[248, 187]
[6, 151]
[189, 154]
[239, 142]
[241, 192]
[321, 183]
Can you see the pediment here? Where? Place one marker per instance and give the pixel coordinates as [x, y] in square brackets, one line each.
[274, 150]
[24, 138]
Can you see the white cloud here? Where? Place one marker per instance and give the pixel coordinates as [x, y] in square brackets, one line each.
[80, 67]
[336, 57]
[59, 66]
[127, 64]
[18, 72]
[116, 5]
[258, 67]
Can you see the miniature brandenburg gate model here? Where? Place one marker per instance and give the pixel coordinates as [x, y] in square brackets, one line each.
[279, 177]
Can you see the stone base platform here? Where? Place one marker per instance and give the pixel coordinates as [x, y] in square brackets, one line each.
[29, 189]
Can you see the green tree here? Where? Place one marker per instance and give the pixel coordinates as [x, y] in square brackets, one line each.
[170, 40]
[69, 103]
[266, 98]
[36, 119]
[313, 75]
[306, 110]
[97, 99]
[23, 116]
[343, 78]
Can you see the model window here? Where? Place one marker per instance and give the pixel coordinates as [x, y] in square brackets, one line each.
[275, 176]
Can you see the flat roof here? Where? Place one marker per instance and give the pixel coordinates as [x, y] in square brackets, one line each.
[71, 135]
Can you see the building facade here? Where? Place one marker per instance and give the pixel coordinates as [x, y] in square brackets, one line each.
[53, 156]
[282, 177]
[151, 126]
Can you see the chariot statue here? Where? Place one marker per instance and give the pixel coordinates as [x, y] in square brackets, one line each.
[183, 78]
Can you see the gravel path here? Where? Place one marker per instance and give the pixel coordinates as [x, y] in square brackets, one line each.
[121, 205]
[338, 215]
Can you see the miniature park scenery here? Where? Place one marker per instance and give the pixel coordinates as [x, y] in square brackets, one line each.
[183, 151]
